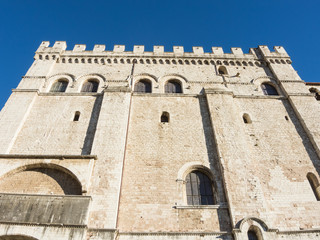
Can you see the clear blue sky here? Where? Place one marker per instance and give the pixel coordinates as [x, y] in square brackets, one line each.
[227, 23]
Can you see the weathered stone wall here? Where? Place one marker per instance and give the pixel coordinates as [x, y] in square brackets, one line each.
[49, 127]
[44, 209]
[137, 180]
[275, 155]
[156, 152]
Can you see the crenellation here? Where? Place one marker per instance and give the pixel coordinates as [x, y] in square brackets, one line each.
[280, 50]
[99, 48]
[261, 53]
[138, 49]
[79, 48]
[237, 51]
[178, 49]
[43, 45]
[158, 49]
[60, 45]
[118, 48]
[198, 50]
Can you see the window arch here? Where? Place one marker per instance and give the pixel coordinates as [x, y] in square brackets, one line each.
[173, 86]
[199, 189]
[90, 86]
[222, 70]
[143, 86]
[59, 86]
[314, 183]
[268, 89]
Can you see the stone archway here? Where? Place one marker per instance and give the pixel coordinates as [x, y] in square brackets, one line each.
[16, 237]
[40, 180]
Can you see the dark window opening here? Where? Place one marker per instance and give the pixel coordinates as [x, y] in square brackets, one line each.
[90, 86]
[286, 117]
[252, 235]
[222, 70]
[143, 86]
[199, 189]
[76, 116]
[59, 86]
[173, 86]
[246, 118]
[269, 89]
[165, 117]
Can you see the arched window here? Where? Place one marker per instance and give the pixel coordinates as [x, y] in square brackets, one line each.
[246, 118]
[252, 235]
[173, 86]
[59, 86]
[269, 89]
[315, 92]
[143, 86]
[165, 117]
[314, 183]
[222, 70]
[90, 86]
[199, 189]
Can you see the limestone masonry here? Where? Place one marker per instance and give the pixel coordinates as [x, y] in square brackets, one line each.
[135, 145]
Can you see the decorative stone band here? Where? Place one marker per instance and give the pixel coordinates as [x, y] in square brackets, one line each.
[61, 157]
[175, 233]
[221, 206]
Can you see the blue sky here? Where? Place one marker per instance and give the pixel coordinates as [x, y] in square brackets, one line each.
[227, 23]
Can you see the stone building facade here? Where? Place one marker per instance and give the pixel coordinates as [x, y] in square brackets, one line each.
[160, 145]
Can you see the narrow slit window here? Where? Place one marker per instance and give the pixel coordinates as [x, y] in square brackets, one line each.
[165, 117]
[76, 116]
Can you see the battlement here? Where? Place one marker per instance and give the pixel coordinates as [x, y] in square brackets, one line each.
[198, 51]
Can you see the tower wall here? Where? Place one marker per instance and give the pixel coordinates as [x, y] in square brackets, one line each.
[258, 150]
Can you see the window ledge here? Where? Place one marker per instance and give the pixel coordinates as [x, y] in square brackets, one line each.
[220, 206]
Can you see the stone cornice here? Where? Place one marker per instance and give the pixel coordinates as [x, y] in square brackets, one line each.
[60, 157]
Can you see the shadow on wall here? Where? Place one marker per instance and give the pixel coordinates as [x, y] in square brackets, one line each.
[16, 237]
[223, 214]
[303, 135]
[91, 131]
[40, 180]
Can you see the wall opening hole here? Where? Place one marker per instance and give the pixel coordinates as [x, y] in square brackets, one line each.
[165, 117]
[246, 118]
[76, 116]
[286, 117]
[222, 70]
